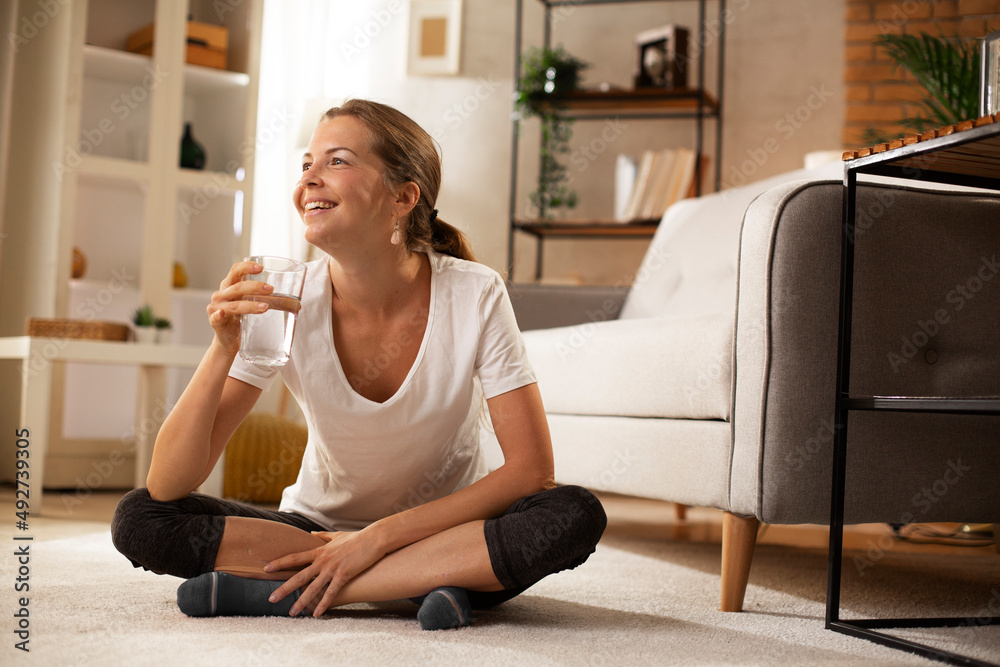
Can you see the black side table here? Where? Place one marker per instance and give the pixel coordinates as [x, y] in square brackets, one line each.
[965, 155]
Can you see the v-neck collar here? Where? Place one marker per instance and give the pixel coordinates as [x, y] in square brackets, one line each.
[431, 310]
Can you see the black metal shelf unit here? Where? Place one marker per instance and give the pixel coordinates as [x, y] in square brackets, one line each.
[970, 157]
[692, 104]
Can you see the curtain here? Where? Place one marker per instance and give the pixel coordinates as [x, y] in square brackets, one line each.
[314, 54]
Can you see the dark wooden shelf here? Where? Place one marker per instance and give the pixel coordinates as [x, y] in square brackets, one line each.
[588, 228]
[574, 3]
[621, 102]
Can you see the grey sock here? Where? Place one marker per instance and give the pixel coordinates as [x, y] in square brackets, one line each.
[443, 608]
[221, 594]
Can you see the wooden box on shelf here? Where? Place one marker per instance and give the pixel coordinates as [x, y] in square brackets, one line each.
[206, 44]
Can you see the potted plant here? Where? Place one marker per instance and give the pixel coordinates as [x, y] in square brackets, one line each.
[143, 324]
[948, 70]
[163, 328]
[548, 75]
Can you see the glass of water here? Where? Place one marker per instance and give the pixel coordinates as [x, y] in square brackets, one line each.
[266, 338]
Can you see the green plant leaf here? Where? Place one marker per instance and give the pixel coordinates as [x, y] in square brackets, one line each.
[143, 317]
[946, 67]
[545, 75]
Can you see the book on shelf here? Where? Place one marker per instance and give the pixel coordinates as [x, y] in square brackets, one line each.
[653, 183]
[626, 168]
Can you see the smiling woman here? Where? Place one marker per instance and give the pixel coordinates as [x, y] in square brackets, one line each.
[407, 155]
[399, 339]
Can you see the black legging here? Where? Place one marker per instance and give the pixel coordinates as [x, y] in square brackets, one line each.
[538, 535]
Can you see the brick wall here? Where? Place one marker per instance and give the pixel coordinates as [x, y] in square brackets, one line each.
[878, 97]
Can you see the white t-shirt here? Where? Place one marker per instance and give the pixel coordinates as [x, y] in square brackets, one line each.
[366, 460]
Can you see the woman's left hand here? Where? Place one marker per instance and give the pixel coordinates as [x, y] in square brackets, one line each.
[329, 567]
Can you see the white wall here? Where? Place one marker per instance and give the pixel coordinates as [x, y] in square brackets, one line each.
[783, 88]
[467, 114]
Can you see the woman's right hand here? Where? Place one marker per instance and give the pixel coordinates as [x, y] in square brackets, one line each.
[229, 303]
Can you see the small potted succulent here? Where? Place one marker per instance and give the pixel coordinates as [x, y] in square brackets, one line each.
[163, 328]
[143, 324]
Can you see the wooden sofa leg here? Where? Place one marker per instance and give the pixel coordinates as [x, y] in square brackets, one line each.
[739, 536]
[680, 511]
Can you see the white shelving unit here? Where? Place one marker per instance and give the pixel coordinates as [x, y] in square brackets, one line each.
[109, 143]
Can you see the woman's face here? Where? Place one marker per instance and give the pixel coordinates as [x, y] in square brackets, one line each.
[342, 196]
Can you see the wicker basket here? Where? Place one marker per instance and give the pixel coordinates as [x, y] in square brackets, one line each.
[263, 457]
[66, 328]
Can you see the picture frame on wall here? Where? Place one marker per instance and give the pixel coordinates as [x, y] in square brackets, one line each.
[989, 74]
[435, 39]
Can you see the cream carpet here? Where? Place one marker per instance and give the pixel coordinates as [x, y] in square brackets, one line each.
[635, 602]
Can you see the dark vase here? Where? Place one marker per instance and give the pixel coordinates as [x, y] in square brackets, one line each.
[192, 154]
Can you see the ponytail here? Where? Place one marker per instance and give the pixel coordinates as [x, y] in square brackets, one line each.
[433, 233]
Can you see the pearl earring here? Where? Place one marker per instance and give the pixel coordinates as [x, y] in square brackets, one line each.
[394, 239]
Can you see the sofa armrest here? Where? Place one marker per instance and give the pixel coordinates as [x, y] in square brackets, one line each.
[918, 329]
[548, 306]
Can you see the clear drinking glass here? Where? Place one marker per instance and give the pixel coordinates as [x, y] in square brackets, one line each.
[266, 338]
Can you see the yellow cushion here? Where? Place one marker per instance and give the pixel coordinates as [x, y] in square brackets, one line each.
[263, 457]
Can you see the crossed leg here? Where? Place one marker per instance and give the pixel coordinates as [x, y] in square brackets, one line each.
[189, 538]
[455, 557]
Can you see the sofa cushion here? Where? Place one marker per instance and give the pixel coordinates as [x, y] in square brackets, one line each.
[655, 367]
[690, 267]
[679, 460]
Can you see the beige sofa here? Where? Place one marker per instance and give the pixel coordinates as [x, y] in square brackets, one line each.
[710, 382]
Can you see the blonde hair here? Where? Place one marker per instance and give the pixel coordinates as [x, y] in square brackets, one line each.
[409, 155]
